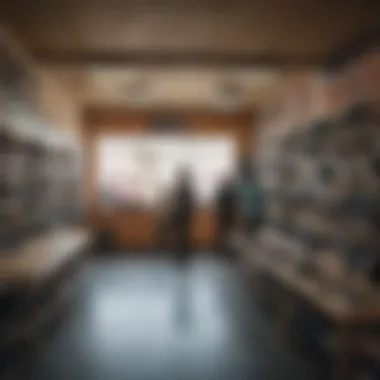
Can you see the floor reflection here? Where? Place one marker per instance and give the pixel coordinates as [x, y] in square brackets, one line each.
[150, 319]
[182, 300]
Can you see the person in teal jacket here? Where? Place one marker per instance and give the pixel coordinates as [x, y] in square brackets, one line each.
[251, 200]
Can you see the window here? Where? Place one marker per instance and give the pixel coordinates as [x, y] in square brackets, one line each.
[135, 170]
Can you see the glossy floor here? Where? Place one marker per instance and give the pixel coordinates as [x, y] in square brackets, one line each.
[148, 319]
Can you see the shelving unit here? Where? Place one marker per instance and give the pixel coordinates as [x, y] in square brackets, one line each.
[41, 246]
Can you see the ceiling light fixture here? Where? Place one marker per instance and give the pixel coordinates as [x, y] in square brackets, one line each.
[229, 95]
[138, 92]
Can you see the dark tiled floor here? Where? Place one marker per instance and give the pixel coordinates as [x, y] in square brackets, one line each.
[148, 319]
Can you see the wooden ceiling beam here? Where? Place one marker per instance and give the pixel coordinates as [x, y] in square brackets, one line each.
[149, 59]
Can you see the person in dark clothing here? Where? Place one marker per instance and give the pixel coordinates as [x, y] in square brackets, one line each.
[225, 214]
[182, 216]
[251, 200]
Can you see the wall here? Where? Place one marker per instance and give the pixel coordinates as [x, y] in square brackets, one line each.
[137, 228]
[46, 95]
[57, 99]
[312, 94]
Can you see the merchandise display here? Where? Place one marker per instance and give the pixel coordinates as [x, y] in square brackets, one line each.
[323, 188]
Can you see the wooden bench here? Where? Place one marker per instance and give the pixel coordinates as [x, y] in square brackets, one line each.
[41, 256]
[34, 282]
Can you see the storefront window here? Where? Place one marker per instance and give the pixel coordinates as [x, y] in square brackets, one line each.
[135, 170]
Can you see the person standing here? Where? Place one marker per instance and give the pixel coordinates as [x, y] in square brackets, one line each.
[164, 211]
[225, 214]
[251, 200]
[182, 216]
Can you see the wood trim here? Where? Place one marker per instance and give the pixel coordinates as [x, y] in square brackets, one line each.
[99, 117]
[175, 58]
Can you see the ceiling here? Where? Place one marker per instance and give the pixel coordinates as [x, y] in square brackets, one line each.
[183, 52]
[264, 32]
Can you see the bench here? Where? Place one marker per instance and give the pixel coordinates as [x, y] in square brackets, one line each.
[35, 282]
